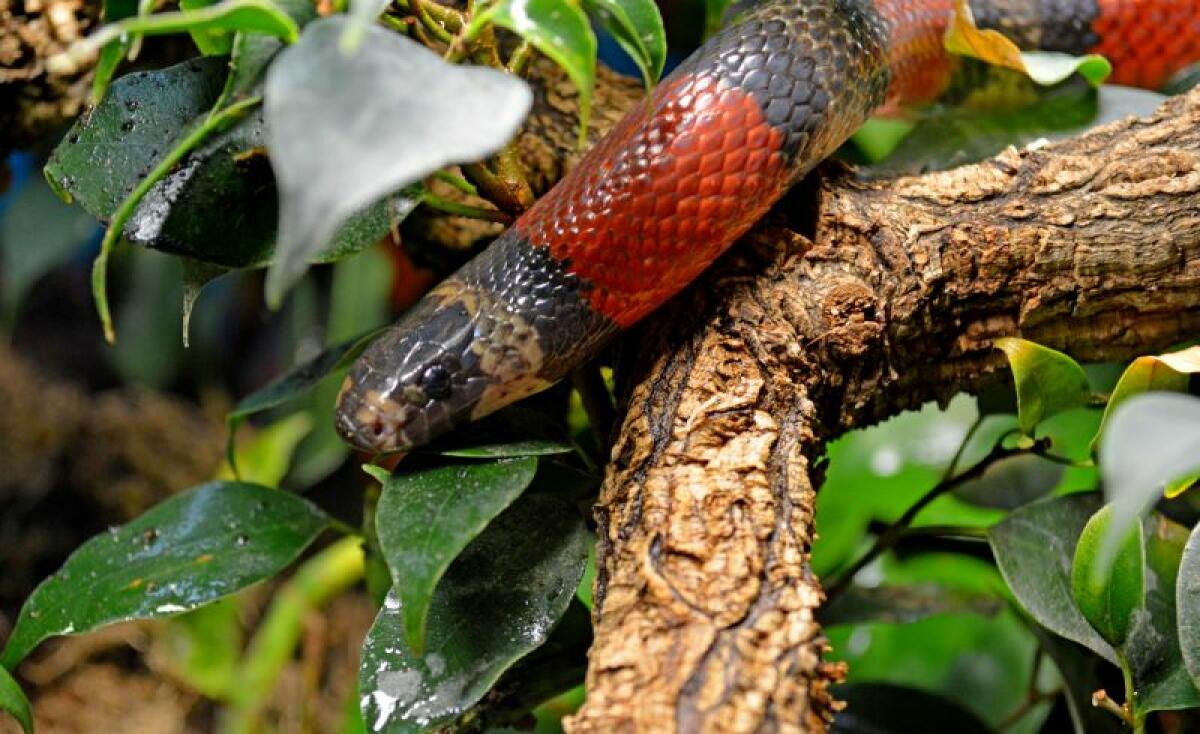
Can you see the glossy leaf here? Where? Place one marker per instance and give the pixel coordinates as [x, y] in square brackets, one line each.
[192, 549]
[13, 701]
[638, 27]
[1162, 373]
[1108, 596]
[558, 29]
[1047, 381]
[499, 601]
[1187, 600]
[108, 152]
[884, 708]
[1034, 548]
[1151, 440]
[965, 39]
[387, 116]
[425, 519]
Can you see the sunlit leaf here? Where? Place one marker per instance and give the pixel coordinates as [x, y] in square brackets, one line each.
[192, 549]
[1047, 381]
[387, 116]
[12, 700]
[1108, 596]
[425, 520]
[965, 39]
[557, 28]
[499, 601]
[1162, 373]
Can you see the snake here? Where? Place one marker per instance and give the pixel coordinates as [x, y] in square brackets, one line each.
[679, 179]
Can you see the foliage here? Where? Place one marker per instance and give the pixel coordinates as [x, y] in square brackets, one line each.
[975, 574]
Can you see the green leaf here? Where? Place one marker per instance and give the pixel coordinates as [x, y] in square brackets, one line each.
[1047, 381]
[426, 519]
[12, 700]
[714, 12]
[902, 604]
[638, 27]
[1162, 373]
[192, 549]
[1082, 675]
[498, 602]
[413, 113]
[253, 53]
[1160, 678]
[108, 152]
[1108, 596]
[1034, 548]
[1152, 440]
[1187, 601]
[512, 449]
[558, 29]
[1012, 482]
[362, 14]
[884, 708]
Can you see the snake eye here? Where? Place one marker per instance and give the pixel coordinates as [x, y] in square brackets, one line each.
[436, 382]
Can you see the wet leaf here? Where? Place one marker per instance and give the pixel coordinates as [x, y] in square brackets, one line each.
[965, 39]
[1162, 373]
[425, 520]
[1034, 548]
[638, 27]
[558, 29]
[192, 549]
[12, 700]
[1108, 596]
[1151, 440]
[498, 602]
[901, 604]
[228, 178]
[1048, 382]
[509, 450]
[387, 116]
[885, 708]
[1187, 601]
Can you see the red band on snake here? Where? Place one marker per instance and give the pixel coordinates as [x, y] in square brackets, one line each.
[679, 180]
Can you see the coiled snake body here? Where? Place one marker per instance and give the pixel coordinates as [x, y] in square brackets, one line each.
[679, 180]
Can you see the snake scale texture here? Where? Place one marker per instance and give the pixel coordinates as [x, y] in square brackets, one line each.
[679, 180]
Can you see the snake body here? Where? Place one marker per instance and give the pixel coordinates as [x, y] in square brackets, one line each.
[676, 182]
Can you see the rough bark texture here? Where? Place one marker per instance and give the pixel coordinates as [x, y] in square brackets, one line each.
[704, 601]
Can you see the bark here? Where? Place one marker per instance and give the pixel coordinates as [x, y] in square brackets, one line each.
[704, 599]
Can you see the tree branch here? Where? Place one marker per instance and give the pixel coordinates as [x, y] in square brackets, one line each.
[704, 599]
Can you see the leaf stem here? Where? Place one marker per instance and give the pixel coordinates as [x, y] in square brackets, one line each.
[896, 530]
[457, 182]
[465, 210]
[212, 124]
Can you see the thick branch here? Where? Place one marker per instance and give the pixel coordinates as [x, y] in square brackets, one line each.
[705, 601]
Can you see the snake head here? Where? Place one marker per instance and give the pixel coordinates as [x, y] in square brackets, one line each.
[455, 357]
